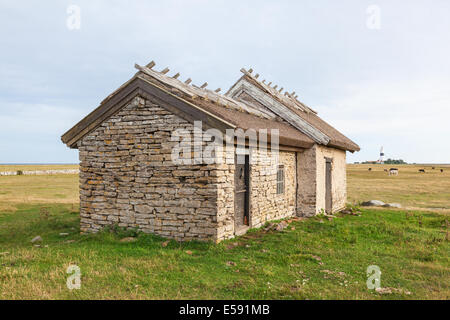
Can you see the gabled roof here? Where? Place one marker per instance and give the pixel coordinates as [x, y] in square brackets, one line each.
[192, 103]
[291, 110]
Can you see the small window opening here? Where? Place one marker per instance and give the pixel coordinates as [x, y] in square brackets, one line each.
[280, 179]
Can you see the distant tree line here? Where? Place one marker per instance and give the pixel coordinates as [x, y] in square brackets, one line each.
[393, 161]
[388, 161]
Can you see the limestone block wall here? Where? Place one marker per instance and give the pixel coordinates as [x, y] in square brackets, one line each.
[265, 203]
[225, 198]
[338, 177]
[39, 172]
[127, 178]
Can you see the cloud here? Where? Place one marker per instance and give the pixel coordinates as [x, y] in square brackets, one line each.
[408, 117]
[385, 87]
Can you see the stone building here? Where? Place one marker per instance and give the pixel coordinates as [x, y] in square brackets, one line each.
[184, 162]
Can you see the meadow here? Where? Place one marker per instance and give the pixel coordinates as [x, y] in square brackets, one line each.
[31, 167]
[411, 188]
[316, 258]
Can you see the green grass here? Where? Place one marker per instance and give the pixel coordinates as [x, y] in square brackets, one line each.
[410, 249]
[408, 245]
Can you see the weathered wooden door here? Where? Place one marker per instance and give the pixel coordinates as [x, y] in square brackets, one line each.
[328, 195]
[241, 190]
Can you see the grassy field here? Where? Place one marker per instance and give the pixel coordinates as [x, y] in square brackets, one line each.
[316, 258]
[412, 189]
[32, 167]
[44, 189]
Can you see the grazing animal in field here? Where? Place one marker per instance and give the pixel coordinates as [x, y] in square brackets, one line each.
[422, 170]
[370, 169]
[442, 170]
[432, 168]
[393, 171]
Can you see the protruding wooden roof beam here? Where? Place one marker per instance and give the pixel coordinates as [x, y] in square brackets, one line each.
[165, 70]
[256, 76]
[217, 90]
[151, 64]
[280, 106]
[189, 80]
[203, 86]
[176, 76]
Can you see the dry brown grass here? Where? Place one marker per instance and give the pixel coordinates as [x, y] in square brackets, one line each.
[33, 167]
[412, 189]
[15, 190]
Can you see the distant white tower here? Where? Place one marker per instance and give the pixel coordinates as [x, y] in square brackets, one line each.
[381, 160]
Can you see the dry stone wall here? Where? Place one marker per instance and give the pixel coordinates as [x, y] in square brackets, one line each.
[265, 203]
[225, 200]
[127, 177]
[39, 172]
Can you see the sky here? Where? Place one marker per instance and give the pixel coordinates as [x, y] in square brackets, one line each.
[379, 71]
